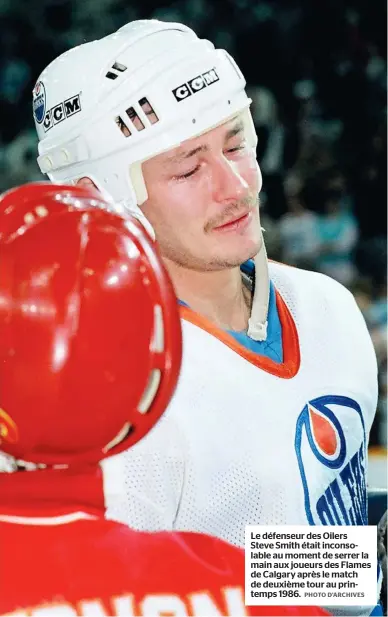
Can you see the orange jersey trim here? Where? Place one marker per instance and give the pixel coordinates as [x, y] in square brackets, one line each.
[290, 341]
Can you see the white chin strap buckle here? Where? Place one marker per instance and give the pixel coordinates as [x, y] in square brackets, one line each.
[257, 331]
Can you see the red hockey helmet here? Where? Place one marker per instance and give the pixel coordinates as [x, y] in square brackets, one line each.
[90, 336]
[25, 205]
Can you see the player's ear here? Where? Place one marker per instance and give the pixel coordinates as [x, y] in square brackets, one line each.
[86, 182]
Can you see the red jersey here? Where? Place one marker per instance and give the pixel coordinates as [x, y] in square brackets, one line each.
[60, 556]
[81, 565]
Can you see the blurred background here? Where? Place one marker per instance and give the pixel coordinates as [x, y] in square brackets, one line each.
[316, 72]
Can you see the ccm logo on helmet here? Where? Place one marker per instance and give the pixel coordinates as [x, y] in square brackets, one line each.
[195, 85]
[60, 112]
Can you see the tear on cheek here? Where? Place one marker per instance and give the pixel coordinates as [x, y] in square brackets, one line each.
[259, 177]
[253, 173]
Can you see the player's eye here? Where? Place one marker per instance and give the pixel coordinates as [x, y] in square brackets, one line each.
[187, 174]
[237, 148]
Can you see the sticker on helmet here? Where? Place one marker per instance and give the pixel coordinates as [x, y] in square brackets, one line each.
[8, 429]
[195, 85]
[39, 102]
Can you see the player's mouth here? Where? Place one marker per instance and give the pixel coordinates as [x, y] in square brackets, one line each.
[239, 222]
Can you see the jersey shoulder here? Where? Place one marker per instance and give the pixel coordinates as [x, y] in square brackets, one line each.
[197, 548]
[321, 284]
[199, 551]
[322, 299]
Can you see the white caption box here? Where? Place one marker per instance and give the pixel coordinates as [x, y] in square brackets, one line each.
[302, 565]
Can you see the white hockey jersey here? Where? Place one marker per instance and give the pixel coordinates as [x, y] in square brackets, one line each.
[246, 440]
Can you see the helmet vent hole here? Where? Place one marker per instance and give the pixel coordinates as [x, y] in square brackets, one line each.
[123, 433]
[150, 391]
[119, 67]
[157, 343]
[112, 74]
[139, 116]
[135, 118]
[122, 126]
[148, 110]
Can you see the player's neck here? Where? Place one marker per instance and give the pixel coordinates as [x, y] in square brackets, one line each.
[218, 295]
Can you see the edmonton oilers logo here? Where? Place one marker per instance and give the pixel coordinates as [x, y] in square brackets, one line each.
[332, 466]
[39, 102]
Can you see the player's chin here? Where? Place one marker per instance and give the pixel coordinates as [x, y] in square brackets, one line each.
[237, 255]
[246, 246]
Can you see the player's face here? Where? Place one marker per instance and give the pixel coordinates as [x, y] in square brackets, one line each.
[203, 200]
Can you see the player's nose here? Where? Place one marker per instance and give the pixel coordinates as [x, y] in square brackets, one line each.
[228, 183]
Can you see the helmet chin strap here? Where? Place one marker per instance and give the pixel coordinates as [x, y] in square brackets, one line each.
[257, 324]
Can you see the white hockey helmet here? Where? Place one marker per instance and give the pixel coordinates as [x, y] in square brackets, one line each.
[103, 108]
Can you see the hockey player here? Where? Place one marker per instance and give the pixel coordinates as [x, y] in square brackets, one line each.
[90, 350]
[279, 372]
